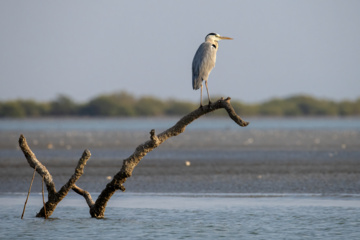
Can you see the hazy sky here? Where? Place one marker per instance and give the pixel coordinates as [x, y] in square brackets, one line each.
[86, 48]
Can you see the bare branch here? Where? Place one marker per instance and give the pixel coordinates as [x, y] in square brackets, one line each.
[79, 170]
[41, 169]
[85, 194]
[43, 197]
[54, 197]
[232, 114]
[98, 209]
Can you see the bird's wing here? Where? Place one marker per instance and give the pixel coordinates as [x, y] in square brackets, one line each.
[203, 63]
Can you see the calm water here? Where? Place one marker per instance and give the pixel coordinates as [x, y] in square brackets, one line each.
[188, 216]
[204, 123]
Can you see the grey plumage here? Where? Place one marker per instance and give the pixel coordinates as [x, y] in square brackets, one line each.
[204, 61]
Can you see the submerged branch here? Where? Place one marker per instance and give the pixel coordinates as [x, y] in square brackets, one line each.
[40, 169]
[79, 170]
[85, 194]
[54, 197]
[97, 210]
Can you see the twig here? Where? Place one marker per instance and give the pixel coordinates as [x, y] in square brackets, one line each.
[32, 180]
[42, 188]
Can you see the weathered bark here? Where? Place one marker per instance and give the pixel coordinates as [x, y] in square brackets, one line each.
[85, 194]
[54, 197]
[97, 208]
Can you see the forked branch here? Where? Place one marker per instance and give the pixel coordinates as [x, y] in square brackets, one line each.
[54, 197]
[97, 208]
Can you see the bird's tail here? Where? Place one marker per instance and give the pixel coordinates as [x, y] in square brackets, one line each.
[196, 83]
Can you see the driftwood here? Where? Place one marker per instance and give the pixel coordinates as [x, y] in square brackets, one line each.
[54, 197]
[97, 208]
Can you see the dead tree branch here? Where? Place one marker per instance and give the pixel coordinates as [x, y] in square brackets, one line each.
[97, 210]
[54, 197]
[85, 194]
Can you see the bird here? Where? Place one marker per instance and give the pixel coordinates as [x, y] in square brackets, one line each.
[204, 61]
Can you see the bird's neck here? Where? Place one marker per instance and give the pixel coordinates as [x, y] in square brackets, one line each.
[214, 43]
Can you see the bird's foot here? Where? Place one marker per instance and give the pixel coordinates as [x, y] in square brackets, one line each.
[201, 107]
[209, 106]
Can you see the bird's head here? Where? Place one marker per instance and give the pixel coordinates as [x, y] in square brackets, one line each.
[214, 37]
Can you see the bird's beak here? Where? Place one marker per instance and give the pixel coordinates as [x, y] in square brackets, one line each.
[226, 38]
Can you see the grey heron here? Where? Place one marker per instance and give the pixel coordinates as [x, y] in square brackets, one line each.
[204, 61]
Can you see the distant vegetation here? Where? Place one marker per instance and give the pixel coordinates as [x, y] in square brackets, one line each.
[123, 104]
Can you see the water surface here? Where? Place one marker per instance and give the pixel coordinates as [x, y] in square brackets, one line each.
[190, 216]
[204, 123]
[292, 178]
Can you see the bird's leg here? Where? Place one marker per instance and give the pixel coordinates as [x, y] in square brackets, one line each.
[207, 89]
[201, 96]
